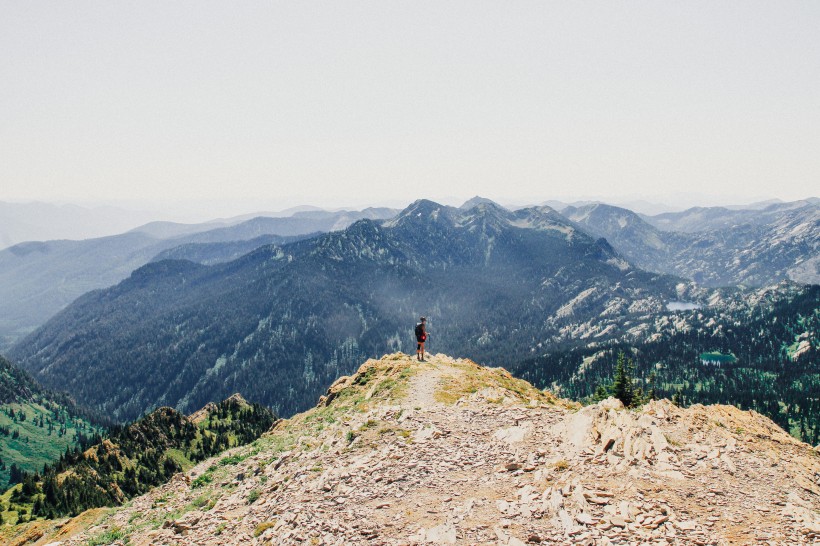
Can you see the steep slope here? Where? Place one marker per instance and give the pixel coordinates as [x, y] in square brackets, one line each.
[36, 426]
[280, 323]
[715, 247]
[787, 247]
[15, 384]
[448, 452]
[133, 459]
[37, 279]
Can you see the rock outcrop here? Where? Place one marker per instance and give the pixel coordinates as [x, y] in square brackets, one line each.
[448, 452]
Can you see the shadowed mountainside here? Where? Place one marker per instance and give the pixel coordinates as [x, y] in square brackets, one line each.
[279, 324]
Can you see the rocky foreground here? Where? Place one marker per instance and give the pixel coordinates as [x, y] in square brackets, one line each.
[448, 452]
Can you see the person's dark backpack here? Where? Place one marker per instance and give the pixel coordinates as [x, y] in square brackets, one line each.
[420, 332]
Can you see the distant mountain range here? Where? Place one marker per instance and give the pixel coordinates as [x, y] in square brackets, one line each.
[299, 223]
[282, 322]
[717, 246]
[37, 279]
[21, 222]
[700, 219]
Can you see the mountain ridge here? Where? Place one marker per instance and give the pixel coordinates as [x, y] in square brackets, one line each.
[756, 245]
[724, 248]
[39, 278]
[313, 307]
[450, 452]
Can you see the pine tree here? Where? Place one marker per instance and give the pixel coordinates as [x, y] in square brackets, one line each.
[622, 387]
[15, 474]
[601, 393]
[653, 393]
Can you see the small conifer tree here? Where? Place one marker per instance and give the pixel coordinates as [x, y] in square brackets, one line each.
[622, 387]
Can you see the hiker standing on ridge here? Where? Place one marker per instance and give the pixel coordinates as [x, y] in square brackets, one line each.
[421, 337]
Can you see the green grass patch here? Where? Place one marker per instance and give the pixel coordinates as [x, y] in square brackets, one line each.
[37, 445]
[106, 537]
[231, 460]
[475, 378]
[179, 457]
[201, 500]
[202, 480]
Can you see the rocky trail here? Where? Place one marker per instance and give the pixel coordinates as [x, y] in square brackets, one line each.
[448, 452]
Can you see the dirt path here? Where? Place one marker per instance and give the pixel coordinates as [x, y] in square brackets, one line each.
[492, 462]
[423, 385]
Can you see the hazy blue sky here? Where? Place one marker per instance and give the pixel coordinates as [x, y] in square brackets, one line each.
[338, 103]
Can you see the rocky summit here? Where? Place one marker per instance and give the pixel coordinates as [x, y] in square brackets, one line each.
[449, 452]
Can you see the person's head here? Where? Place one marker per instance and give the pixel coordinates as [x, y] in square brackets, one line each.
[423, 320]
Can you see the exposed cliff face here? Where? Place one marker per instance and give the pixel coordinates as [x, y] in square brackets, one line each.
[448, 452]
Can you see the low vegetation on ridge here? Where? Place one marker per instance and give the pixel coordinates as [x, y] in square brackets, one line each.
[440, 452]
[135, 458]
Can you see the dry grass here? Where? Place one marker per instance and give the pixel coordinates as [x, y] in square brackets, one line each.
[262, 527]
[46, 531]
[472, 378]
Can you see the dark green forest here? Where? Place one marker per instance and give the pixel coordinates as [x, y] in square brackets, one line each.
[768, 376]
[37, 425]
[282, 323]
[131, 460]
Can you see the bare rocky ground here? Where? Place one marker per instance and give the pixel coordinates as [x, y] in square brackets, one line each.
[448, 452]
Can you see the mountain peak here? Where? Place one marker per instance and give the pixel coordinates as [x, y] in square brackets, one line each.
[450, 452]
[205, 412]
[236, 398]
[477, 200]
[421, 210]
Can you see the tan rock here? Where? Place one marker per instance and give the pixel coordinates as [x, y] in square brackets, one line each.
[434, 462]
